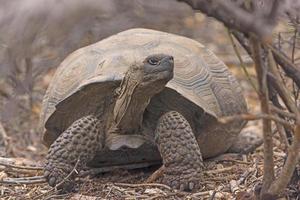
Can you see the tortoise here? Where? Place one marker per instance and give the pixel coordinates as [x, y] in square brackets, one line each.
[138, 98]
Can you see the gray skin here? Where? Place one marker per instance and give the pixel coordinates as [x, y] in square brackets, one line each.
[174, 137]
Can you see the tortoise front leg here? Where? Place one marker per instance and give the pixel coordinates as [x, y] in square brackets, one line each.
[182, 160]
[76, 145]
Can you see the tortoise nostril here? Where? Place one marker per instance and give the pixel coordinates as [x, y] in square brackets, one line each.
[168, 59]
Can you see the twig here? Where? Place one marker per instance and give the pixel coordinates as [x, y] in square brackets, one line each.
[258, 116]
[6, 162]
[282, 134]
[288, 67]
[241, 61]
[143, 184]
[282, 112]
[283, 91]
[201, 194]
[29, 178]
[158, 173]
[18, 171]
[69, 175]
[23, 180]
[216, 171]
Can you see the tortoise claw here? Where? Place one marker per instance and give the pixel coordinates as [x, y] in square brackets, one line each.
[191, 185]
[56, 177]
[52, 181]
[183, 184]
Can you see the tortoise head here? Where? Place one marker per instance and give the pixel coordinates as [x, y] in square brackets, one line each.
[157, 67]
[152, 74]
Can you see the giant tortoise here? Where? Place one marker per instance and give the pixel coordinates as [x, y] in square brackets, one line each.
[140, 96]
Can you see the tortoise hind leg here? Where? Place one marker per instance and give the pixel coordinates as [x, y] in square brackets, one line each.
[182, 160]
[76, 145]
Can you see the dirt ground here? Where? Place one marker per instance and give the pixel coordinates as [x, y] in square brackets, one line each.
[227, 177]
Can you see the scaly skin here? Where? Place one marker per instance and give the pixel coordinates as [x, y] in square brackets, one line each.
[180, 152]
[78, 143]
[176, 142]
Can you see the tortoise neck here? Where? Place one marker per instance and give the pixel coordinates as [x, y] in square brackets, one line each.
[133, 98]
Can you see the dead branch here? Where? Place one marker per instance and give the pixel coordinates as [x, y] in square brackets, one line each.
[237, 18]
[224, 157]
[234, 185]
[261, 73]
[7, 162]
[282, 112]
[293, 154]
[258, 116]
[157, 174]
[143, 185]
[291, 70]
[282, 90]
[27, 181]
[241, 61]
[18, 171]
[282, 134]
[287, 171]
[217, 171]
[288, 67]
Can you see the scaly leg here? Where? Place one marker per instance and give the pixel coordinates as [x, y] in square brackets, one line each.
[78, 144]
[182, 160]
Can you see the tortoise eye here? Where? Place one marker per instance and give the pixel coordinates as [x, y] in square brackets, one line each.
[153, 61]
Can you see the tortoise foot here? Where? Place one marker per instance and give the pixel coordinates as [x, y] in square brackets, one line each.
[60, 175]
[182, 179]
[72, 150]
[246, 142]
[180, 151]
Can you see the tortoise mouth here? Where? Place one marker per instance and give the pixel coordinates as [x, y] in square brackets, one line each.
[163, 71]
[167, 65]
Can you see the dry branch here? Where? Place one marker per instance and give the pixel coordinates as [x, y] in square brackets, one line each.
[237, 18]
[291, 70]
[257, 116]
[261, 73]
[282, 134]
[288, 67]
[27, 181]
[282, 90]
[7, 162]
[144, 184]
[287, 171]
[282, 112]
[241, 61]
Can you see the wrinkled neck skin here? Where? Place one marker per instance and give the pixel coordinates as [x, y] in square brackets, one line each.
[133, 98]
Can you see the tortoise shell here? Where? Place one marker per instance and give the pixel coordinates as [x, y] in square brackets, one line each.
[88, 77]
